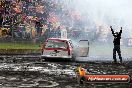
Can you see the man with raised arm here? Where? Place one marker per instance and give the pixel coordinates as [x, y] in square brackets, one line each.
[117, 37]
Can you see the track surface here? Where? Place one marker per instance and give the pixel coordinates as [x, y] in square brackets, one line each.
[33, 72]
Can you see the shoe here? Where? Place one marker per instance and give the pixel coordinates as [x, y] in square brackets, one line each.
[120, 62]
[114, 62]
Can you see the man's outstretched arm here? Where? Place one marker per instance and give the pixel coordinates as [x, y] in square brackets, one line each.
[120, 31]
[112, 30]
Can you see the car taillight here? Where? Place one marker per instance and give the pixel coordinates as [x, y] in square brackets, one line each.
[69, 51]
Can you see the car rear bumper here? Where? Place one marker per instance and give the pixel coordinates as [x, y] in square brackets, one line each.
[56, 57]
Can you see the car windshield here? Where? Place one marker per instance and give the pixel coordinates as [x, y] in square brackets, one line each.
[56, 44]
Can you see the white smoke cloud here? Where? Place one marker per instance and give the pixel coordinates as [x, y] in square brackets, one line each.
[108, 12]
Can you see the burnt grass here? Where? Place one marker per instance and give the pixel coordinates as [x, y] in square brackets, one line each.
[25, 78]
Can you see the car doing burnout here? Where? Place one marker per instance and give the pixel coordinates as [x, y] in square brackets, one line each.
[55, 48]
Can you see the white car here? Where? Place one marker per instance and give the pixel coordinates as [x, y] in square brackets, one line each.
[56, 48]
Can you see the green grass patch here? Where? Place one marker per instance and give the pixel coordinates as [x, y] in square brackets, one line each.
[16, 45]
[95, 48]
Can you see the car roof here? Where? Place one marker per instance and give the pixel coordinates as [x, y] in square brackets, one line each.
[58, 39]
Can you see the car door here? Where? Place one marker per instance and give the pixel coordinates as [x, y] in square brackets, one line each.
[83, 48]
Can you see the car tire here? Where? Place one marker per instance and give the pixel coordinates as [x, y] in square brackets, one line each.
[41, 59]
[46, 59]
[73, 59]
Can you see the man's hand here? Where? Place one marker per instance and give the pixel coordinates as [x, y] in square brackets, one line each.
[121, 31]
[112, 30]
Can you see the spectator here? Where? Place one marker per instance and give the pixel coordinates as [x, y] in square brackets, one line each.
[1, 20]
[38, 27]
[58, 32]
[47, 34]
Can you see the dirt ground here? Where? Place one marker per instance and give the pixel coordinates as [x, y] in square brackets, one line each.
[35, 73]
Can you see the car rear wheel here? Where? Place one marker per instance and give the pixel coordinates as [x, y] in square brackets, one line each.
[73, 58]
[46, 59]
[42, 59]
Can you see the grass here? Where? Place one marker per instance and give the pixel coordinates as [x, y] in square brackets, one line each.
[95, 48]
[16, 45]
